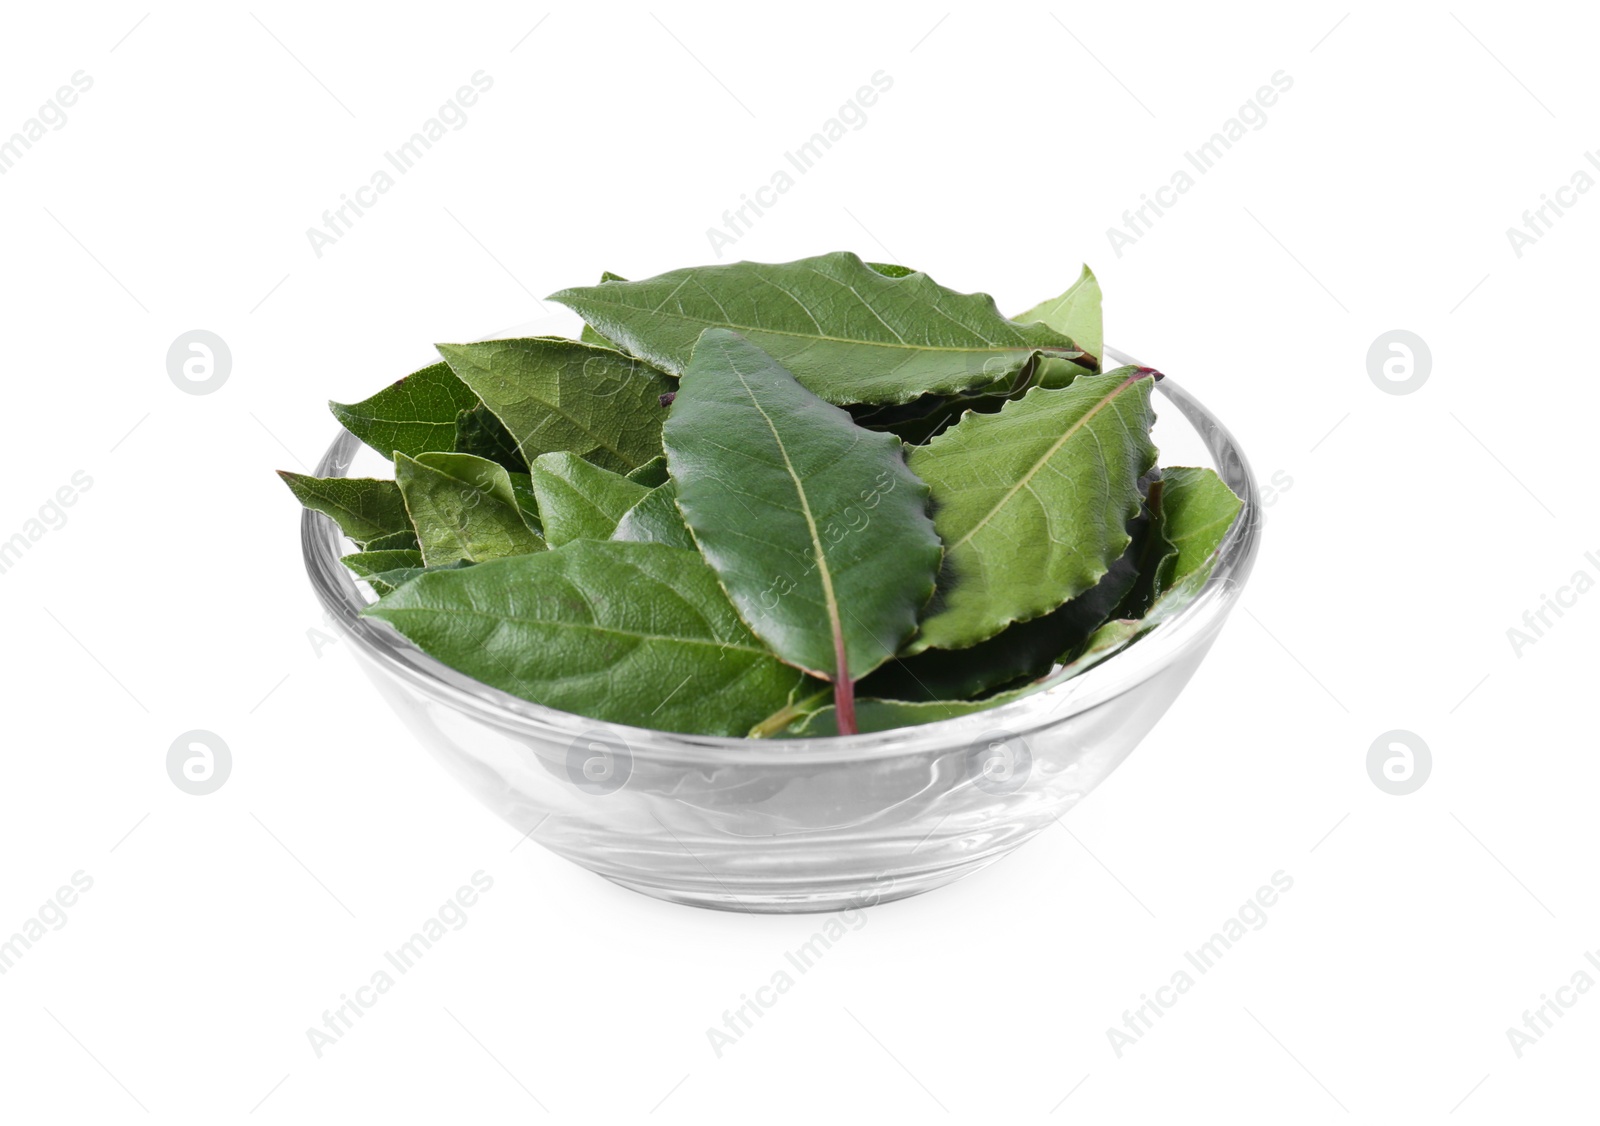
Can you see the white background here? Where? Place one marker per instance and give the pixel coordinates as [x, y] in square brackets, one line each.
[1415, 531]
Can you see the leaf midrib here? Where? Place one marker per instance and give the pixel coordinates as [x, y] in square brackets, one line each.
[328, 497]
[391, 420]
[830, 599]
[989, 347]
[588, 628]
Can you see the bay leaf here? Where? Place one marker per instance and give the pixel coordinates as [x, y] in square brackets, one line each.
[1150, 552]
[1033, 502]
[480, 433]
[1202, 509]
[1022, 651]
[385, 570]
[395, 541]
[656, 519]
[463, 507]
[365, 508]
[1197, 509]
[554, 395]
[366, 563]
[589, 335]
[1075, 313]
[651, 474]
[846, 331]
[634, 633]
[527, 500]
[920, 421]
[817, 529]
[579, 500]
[412, 415]
[382, 582]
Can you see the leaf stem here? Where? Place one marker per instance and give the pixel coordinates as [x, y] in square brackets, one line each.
[844, 705]
[844, 688]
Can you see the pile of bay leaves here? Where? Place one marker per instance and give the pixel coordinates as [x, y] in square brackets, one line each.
[811, 498]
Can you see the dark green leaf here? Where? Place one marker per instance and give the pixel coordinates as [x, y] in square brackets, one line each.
[559, 395]
[579, 500]
[920, 421]
[816, 527]
[1150, 552]
[652, 473]
[1020, 652]
[365, 508]
[411, 416]
[1196, 511]
[846, 331]
[527, 500]
[629, 633]
[1033, 502]
[463, 507]
[480, 433]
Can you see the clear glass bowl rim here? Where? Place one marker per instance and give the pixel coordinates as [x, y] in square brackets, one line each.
[335, 587]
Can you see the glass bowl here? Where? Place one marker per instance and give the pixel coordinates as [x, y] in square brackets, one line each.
[796, 825]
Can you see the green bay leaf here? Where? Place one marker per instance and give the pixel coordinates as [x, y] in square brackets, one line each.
[630, 633]
[555, 395]
[652, 473]
[1075, 313]
[410, 416]
[589, 335]
[819, 532]
[366, 563]
[848, 332]
[405, 539]
[1201, 509]
[578, 500]
[1033, 502]
[1148, 554]
[365, 508]
[1196, 511]
[1022, 651]
[463, 507]
[920, 421]
[527, 500]
[656, 519]
[480, 433]
[385, 570]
